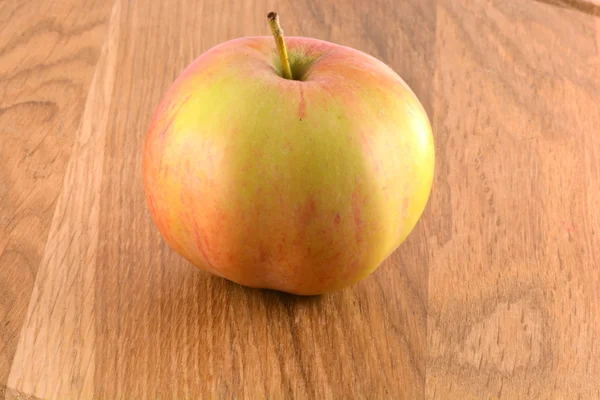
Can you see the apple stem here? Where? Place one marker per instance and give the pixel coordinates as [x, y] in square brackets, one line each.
[273, 20]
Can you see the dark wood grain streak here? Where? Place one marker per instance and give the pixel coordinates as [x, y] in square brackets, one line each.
[591, 7]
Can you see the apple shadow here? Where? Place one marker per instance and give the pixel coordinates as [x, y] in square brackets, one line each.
[268, 297]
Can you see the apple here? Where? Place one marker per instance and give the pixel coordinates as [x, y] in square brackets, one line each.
[303, 185]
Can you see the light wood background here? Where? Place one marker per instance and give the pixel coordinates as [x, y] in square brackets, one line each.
[496, 294]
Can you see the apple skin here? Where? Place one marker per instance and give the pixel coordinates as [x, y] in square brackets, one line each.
[303, 186]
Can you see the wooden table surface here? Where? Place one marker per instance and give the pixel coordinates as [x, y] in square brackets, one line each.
[495, 294]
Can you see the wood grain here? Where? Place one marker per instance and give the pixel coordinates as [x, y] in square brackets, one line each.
[514, 306]
[494, 295]
[48, 51]
[55, 356]
[587, 6]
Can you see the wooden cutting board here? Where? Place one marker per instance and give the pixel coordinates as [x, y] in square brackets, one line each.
[496, 293]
